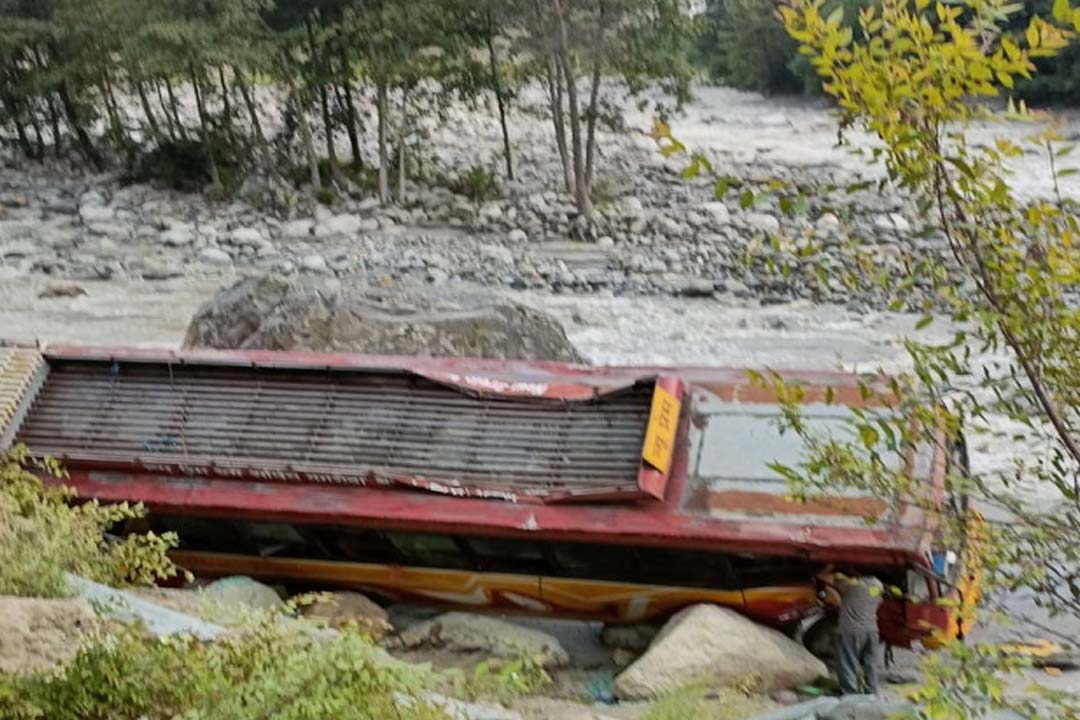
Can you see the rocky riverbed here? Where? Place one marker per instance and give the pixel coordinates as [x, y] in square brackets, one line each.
[671, 275]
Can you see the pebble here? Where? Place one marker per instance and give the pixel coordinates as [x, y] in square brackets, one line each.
[214, 256]
[314, 263]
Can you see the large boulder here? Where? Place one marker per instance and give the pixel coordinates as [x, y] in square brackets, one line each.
[275, 313]
[706, 642]
[344, 608]
[466, 633]
[242, 590]
[37, 634]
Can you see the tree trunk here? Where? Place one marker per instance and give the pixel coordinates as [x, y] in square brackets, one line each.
[151, 119]
[582, 195]
[50, 103]
[38, 135]
[381, 107]
[204, 129]
[590, 130]
[324, 101]
[110, 106]
[20, 131]
[555, 98]
[226, 104]
[180, 129]
[165, 110]
[253, 118]
[54, 123]
[350, 111]
[496, 84]
[309, 144]
[402, 132]
[85, 144]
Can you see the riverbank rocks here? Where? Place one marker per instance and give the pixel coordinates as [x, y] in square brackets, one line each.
[275, 313]
[722, 646]
[242, 590]
[37, 634]
[339, 609]
[487, 636]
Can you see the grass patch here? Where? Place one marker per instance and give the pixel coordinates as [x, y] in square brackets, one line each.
[699, 702]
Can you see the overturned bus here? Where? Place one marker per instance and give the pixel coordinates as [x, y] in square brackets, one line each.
[619, 494]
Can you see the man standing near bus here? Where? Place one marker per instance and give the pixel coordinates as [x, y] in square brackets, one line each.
[857, 597]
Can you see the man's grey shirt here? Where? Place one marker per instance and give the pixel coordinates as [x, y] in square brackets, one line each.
[860, 599]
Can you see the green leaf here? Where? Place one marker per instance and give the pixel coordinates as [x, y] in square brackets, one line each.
[924, 321]
[722, 186]
[746, 199]
[868, 435]
[1061, 11]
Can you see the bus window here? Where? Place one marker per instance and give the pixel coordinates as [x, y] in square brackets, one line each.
[508, 556]
[429, 550]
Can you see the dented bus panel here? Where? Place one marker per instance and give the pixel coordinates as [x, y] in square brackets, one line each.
[611, 493]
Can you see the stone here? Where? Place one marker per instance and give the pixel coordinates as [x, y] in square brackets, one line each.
[827, 223]
[723, 646]
[491, 211]
[340, 609]
[178, 236]
[628, 637]
[631, 206]
[497, 253]
[454, 709]
[517, 235]
[298, 230]
[246, 236]
[214, 256]
[718, 211]
[65, 290]
[762, 222]
[461, 632]
[340, 225]
[313, 263]
[865, 707]
[93, 214]
[900, 222]
[698, 287]
[38, 634]
[242, 590]
[605, 241]
[884, 223]
[153, 271]
[276, 313]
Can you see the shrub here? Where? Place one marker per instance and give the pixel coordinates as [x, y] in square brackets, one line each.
[499, 681]
[43, 535]
[477, 183]
[270, 670]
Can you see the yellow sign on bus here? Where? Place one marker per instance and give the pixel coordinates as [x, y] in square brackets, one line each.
[660, 434]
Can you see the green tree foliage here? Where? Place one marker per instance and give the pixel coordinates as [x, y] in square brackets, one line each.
[579, 42]
[176, 84]
[43, 535]
[912, 73]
